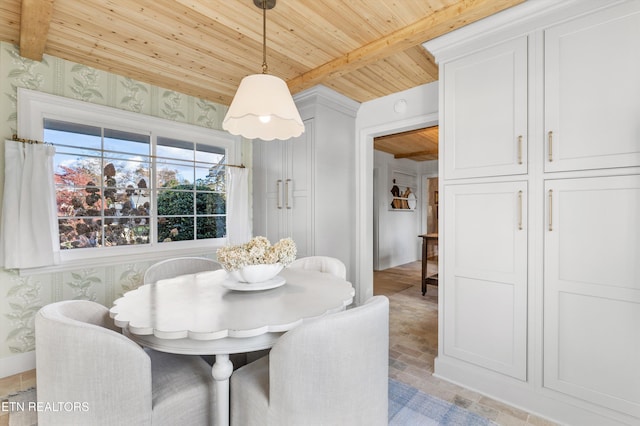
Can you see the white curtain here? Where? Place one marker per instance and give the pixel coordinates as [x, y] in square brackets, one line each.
[238, 226]
[29, 229]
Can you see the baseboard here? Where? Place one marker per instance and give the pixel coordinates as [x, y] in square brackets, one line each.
[16, 364]
[554, 406]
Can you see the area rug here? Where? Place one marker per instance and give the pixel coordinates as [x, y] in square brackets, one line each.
[22, 410]
[409, 406]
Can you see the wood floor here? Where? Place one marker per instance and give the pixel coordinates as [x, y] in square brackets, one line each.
[413, 343]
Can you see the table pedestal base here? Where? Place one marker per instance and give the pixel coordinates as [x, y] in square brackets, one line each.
[221, 372]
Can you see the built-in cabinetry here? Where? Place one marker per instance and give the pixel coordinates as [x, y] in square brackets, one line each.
[591, 91]
[302, 187]
[592, 289]
[485, 271]
[485, 259]
[486, 107]
[283, 179]
[540, 236]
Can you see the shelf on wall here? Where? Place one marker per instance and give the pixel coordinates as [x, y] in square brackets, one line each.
[403, 200]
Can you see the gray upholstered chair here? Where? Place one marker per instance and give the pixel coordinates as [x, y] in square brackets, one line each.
[327, 264]
[104, 378]
[330, 371]
[178, 266]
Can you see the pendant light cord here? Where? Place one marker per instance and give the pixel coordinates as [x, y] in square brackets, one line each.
[265, 68]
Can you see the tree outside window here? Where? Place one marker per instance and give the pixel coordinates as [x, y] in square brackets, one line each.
[111, 191]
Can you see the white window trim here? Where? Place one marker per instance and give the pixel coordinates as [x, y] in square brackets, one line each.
[34, 107]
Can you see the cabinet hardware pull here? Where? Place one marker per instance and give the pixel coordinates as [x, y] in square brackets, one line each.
[520, 149]
[550, 210]
[278, 182]
[286, 193]
[550, 146]
[520, 210]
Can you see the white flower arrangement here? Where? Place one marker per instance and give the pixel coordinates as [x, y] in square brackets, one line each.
[258, 251]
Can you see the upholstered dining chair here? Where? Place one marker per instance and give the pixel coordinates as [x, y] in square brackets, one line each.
[171, 268]
[90, 374]
[327, 264]
[330, 371]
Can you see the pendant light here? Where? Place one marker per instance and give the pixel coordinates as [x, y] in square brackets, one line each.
[263, 107]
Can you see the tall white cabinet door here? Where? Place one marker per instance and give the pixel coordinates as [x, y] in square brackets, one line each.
[268, 187]
[485, 110]
[485, 275]
[283, 186]
[297, 190]
[592, 290]
[592, 91]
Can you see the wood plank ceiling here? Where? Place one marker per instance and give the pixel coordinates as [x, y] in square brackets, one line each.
[362, 49]
[417, 145]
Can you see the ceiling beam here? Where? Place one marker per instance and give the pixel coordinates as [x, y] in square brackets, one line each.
[418, 132]
[35, 18]
[417, 154]
[438, 23]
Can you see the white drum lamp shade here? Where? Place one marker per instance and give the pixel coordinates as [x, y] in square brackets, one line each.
[263, 109]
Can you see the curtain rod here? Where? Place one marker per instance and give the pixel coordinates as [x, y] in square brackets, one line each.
[15, 138]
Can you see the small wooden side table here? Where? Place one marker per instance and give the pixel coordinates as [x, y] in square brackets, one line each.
[433, 279]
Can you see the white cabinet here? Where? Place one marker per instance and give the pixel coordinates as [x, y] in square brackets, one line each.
[485, 224]
[485, 102]
[485, 264]
[592, 91]
[302, 187]
[592, 290]
[545, 318]
[282, 184]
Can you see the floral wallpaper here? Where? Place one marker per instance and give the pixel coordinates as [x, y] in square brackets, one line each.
[21, 297]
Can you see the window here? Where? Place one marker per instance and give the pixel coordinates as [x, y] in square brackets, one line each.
[127, 183]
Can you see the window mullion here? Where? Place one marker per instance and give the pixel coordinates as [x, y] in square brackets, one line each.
[153, 177]
[103, 186]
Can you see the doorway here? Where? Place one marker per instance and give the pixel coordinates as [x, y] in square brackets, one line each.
[371, 125]
[405, 184]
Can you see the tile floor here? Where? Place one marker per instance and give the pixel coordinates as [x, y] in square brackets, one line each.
[413, 342]
[12, 384]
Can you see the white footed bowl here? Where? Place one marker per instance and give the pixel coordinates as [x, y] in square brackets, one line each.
[256, 273]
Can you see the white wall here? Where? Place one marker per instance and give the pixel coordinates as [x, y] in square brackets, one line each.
[396, 230]
[402, 111]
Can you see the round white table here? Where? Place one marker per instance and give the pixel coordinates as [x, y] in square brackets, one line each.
[198, 315]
